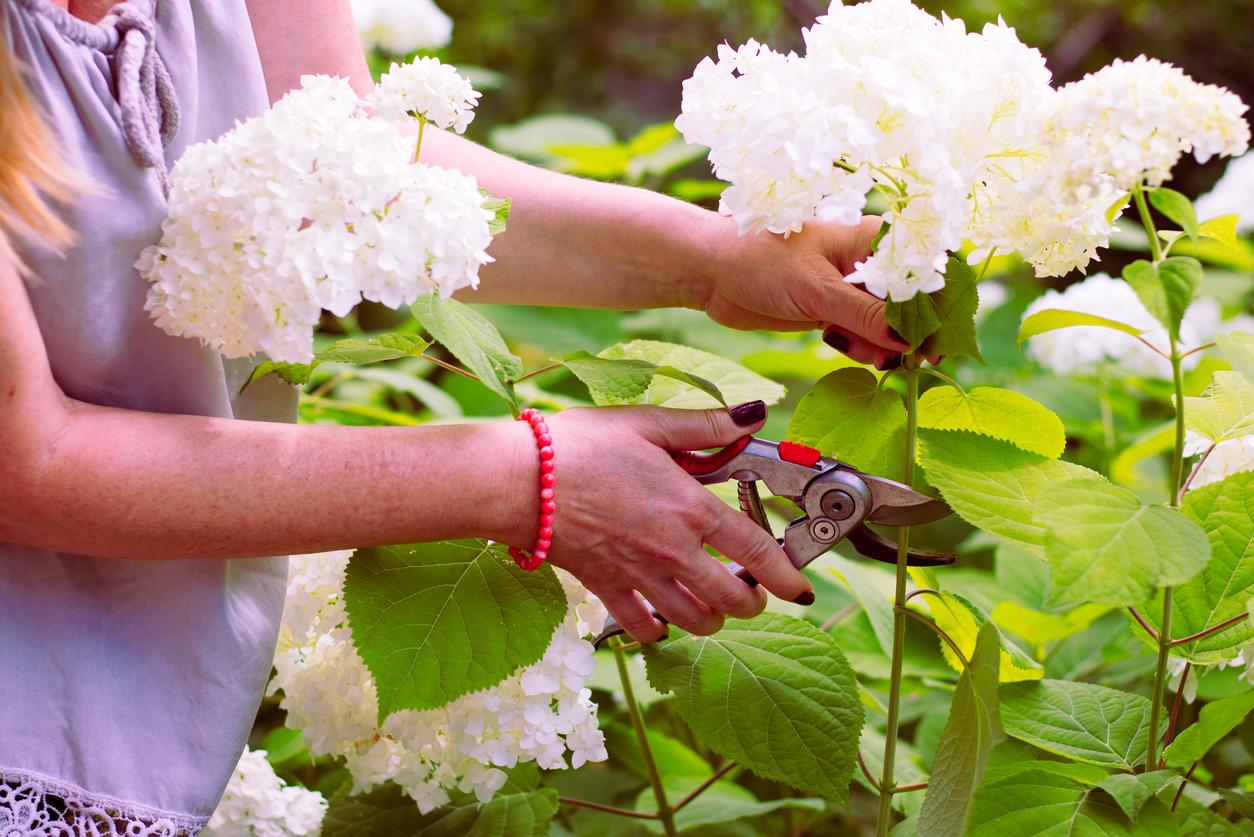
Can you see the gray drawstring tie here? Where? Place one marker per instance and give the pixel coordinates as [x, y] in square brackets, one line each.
[145, 92]
[142, 85]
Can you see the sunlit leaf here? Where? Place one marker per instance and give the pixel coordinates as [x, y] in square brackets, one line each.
[685, 376]
[848, 416]
[1239, 347]
[1052, 319]
[1225, 410]
[963, 621]
[1000, 413]
[1166, 289]
[472, 340]
[625, 380]
[355, 350]
[955, 306]
[1177, 207]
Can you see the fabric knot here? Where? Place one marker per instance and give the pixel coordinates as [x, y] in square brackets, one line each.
[145, 91]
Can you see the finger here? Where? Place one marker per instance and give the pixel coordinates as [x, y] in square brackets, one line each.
[855, 244]
[713, 583]
[680, 430]
[855, 311]
[743, 541]
[853, 346]
[632, 614]
[680, 607]
[733, 316]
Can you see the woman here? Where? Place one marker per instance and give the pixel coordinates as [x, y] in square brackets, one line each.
[129, 685]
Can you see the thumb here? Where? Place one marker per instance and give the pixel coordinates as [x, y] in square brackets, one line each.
[683, 430]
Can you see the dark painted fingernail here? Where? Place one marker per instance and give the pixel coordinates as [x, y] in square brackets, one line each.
[806, 598]
[836, 340]
[892, 332]
[889, 364]
[748, 413]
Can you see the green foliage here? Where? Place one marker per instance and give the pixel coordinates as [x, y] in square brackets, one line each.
[519, 809]
[473, 340]
[703, 374]
[1104, 546]
[774, 693]
[1239, 347]
[1225, 410]
[722, 802]
[1052, 319]
[941, 323]
[1081, 721]
[963, 622]
[499, 207]
[847, 415]
[355, 350]
[1000, 413]
[436, 621]
[625, 380]
[1131, 792]
[970, 734]
[1225, 512]
[1217, 719]
[992, 484]
[1177, 207]
[1167, 289]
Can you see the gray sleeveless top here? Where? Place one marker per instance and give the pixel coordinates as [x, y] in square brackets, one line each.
[128, 687]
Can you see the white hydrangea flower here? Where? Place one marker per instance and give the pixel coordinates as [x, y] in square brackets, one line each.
[428, 89]
[1133, 120]
[1232, 195]
[1083, 349]
[314, 205]
[544, 713]
[257, 803]
[1229, 457]
[400, 27]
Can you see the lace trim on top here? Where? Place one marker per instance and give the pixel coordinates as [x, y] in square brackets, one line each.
[32, 805]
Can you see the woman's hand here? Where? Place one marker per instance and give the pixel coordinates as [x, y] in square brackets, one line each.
[768, 281]
[632, 523]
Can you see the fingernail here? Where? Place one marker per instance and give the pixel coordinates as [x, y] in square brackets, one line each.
[888, 364]
[836, 340]
[806, 599]
[748, 413]
[892, 332]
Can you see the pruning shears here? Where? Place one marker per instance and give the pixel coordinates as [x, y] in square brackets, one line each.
[835, 499]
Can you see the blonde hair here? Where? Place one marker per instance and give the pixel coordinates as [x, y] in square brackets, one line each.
[33, 174]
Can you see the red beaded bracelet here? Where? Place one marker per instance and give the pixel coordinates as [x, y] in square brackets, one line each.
[548, 494]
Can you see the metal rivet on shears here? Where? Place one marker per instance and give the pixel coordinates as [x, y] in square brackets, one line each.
[823, 530]
[837, 505]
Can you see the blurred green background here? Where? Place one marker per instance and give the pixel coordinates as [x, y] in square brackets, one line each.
[622, 62]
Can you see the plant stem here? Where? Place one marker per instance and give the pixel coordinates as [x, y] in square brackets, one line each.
[899, 606]
[664, 811]
[443, 364]
[1187, 777]
[940, 632]
[1175, 706]
[1156, 249]
[533, 373]
[422, 124]
[607, 809]
[1160, 682]
[839, 616]
[1212, 630]
[1149, 629]
[706, 785]
[936, 373]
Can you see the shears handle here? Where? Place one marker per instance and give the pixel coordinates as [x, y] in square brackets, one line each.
[703, 466]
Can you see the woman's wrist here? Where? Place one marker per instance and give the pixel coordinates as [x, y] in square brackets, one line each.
[705, 242]
[508, 509]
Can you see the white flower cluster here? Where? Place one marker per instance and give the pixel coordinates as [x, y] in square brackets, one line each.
[400, 27]
[257, 803]
[1232, 195]
[1133, 120]
[1229, 457]
[962, 133]
[428, 89]
[314, 205]
[539, 714]
[1083, 349]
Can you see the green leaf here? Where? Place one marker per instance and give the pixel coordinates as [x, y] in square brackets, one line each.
[992, 484]
[1131, 792]
[499, 207]
[970, 734]
[848, 416]
[774, 693]
[536, 137]
[1216, 720]
[1222, 229]
[876, 602]
[1242, 803]
[1052, 319]
[1225, 410]
[702, 374]
[1176, 207]
[1000, 413]
[1239, 347]
[1225, 511]
[1103, 545]
[519, 809]
[1041, 802]
[1081, 721]
[1166, 290]
[625, 380]
[1041, 628]
[437, 621]
[472, 340]
[355, 350]
[721, 802]
[955, 306]
[915, 320]
[963, 621]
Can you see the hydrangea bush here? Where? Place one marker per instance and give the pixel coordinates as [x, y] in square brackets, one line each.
[1084, 668]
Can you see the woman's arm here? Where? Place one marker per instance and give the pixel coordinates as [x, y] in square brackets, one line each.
[599, 245]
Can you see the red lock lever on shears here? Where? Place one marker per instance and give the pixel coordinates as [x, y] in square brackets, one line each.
[835, 499]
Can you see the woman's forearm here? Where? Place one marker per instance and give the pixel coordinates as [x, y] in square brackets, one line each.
[143, 485]
[584, 243]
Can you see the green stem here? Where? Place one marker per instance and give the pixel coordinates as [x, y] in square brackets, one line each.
[1156, 248]
[1160, 682]
[885, 816]
[422, 124]
[665, 813]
